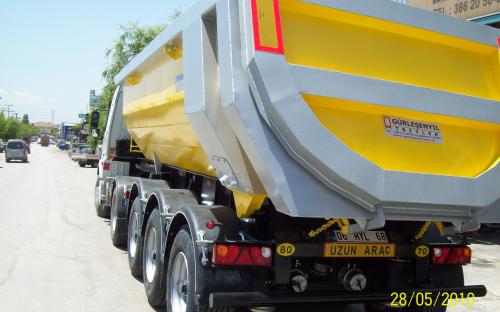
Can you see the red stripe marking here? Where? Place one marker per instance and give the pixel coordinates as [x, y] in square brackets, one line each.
[279, 32]
[256, 31]
[498, 41]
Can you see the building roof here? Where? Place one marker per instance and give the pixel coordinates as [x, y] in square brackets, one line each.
[46, 125]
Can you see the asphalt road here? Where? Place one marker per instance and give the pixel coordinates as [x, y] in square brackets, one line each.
[56, 254]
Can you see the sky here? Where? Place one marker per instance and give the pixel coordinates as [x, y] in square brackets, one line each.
[52, 52]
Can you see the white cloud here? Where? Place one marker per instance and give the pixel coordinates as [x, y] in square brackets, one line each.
[26, 97]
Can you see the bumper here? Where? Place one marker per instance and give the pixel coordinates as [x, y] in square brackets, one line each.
[16, 157]
[253, 299]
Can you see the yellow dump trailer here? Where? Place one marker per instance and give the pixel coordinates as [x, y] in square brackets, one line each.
[301, 138]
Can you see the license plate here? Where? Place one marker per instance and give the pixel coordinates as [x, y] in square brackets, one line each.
[356, 250]
[360, 237]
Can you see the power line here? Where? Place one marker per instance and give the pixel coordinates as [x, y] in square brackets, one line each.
[7, 108]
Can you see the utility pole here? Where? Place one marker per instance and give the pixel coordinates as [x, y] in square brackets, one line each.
[52, 113]
[7, 108]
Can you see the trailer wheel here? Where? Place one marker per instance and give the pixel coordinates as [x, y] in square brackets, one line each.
[116, 228]
[135, 239]
[99, 207]
[152, 264]
[180, 281]
[180, 272]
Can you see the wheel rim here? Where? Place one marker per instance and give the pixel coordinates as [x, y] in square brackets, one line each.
[97, 197]
[113, 219]
[151, 255]
[179, 283]
[134, 235]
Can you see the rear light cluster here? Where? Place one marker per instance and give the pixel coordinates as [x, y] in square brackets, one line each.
[242, 255]
[106, 166]
[451, 255]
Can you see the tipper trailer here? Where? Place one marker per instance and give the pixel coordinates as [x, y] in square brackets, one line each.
[262, 152]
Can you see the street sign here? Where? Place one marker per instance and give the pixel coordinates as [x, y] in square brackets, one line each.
[82, 115]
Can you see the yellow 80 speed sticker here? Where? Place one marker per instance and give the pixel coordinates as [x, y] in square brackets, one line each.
[422, 251]
[285, 249]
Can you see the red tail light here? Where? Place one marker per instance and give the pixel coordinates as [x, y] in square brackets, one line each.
[451, 255]
[243, 255]
[106, 166]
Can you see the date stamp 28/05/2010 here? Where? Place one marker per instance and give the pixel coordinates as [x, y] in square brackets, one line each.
[430, 299]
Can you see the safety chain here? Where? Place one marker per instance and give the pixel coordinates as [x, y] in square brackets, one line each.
[342, 223]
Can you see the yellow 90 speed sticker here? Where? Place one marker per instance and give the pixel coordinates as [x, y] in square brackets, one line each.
[285, 249]
[422, 251]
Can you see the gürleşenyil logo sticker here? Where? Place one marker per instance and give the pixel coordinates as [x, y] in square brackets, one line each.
[415, 130]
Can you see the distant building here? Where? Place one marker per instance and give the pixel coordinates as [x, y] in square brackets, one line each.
[44, 128]
[67, 133]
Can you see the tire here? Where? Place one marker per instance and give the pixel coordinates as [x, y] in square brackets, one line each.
[442, 276]
[7, 160]
[25, 160]
[152, 264]
[182, 257]
[81, 164]
[116, 228]
[101, 211]
[135, 239]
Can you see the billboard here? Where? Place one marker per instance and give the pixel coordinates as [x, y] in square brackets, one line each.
[465, 9]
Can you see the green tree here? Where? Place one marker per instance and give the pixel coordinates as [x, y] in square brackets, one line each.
[26, 119]
[2, 125]
[26, 131]
[133, 39]
[77, 128]
[12, 129]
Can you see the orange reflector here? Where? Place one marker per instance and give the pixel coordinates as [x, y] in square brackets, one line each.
[222, 250]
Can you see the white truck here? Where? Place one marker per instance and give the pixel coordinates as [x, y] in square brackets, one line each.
[263, 152]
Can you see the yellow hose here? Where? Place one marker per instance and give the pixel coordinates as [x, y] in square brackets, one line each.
[425, 227]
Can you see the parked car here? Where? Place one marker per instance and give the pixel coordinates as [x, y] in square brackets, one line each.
[63, 146]
[77, 155]
[74, 148]
[87, 157]
[16, 150]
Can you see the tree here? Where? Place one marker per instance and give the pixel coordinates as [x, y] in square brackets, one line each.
[11, 128]
[26, 131]
[26, 120]
[133, 39]
[2, 125]
[77, 128]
